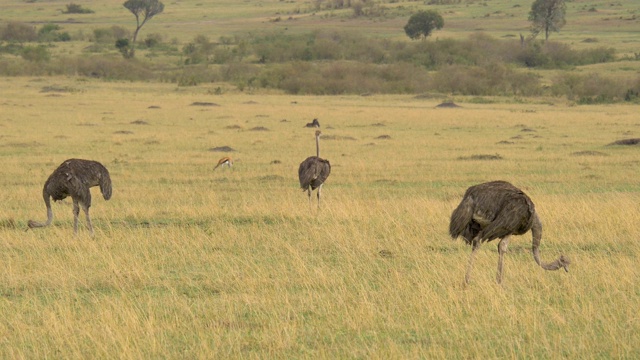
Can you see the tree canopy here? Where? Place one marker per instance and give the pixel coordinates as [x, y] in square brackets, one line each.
[547, 16]
[145, 9]
[422, 23]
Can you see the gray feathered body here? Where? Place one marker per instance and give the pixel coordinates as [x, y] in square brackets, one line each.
[313, 172]
[74, 178]
[497, 210]
[491, 211]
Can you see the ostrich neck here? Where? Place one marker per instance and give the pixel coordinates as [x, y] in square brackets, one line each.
[536, 231]
[317, 146]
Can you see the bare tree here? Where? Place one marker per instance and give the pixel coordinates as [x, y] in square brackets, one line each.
[313, 171]
[224, 161]
[74, 177]
[497, 210]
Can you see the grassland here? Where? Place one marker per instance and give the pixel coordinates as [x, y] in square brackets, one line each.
[603, 22]
[191, 263]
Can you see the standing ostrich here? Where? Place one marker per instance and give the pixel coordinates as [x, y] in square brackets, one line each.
[314, 171]
[74, 177]
[224, 161]
[312, 124]
[497, 210]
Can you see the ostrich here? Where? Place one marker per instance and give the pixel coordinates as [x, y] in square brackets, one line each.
[313, 124]
[314, 171]
[74, 177]
[497, 210]
[224, 161]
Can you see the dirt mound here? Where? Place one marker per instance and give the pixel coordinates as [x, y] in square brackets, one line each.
[448, 104]
[481, 157]
[589, 153]
[222, 149]
[635, 141]
[201, 103]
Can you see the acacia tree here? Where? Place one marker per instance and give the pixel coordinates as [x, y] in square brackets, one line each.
[145, 9]
[547, 16]
[422, 23]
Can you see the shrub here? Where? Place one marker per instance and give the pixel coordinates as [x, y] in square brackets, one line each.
[50, 32]
[198, 51]
[191, 75]
[77, 9]
[596, 55]
[35, 53]
[590, 88]
[343, 77]
[153, 40]
[110, 35]
[558, 55]
[124, 47]
[532, 55]
[491, 79]
[106, 68]
[19, 32]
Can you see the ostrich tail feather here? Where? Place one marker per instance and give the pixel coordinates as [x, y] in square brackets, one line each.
[461, 218]
[105, 186]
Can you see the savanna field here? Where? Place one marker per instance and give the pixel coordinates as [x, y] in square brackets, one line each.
[188, 262]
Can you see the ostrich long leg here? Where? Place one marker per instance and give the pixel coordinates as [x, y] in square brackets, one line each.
[319, 188]
[86, 213]
[76, 212]
[467, 276]
[502, 249]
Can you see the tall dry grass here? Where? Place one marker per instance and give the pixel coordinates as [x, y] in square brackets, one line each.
[192, 263]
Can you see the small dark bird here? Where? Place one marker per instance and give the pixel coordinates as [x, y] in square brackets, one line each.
[74, 177]
[313, 171]
[497, 210]
[313, 124]
[224, 161]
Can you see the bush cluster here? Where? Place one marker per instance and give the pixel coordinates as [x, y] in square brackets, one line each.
[326, 62]
[77, 9]
[594, 88]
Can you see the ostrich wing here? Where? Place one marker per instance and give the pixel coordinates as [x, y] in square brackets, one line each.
[313, 172]
[325, 171]
[492, 210]
[461, 218]
[515, 217]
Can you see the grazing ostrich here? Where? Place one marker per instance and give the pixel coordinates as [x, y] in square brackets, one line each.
[314, 171]
[313, 124]
[224, 161]
[497, 210]
[74, 177]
